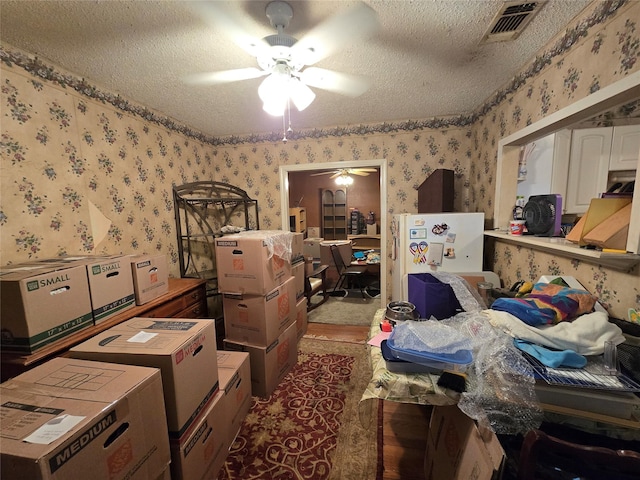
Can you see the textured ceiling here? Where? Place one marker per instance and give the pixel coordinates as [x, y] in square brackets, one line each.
[426, 60]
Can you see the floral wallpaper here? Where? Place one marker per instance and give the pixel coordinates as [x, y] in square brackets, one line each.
[86, 171]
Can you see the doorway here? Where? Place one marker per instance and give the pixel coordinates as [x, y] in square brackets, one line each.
[381, 165]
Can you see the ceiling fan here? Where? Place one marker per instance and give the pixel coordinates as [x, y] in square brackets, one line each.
[346, 171]
[285, 60]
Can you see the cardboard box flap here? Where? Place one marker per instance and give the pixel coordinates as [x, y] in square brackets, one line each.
[77, 379]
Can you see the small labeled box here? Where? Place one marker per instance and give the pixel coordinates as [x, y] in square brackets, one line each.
[150, 277]
[41, 304]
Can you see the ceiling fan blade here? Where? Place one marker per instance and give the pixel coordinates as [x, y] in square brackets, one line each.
[321, 173]
[357, 172]
[233, 26]
[356, 23]
[224, 76]
[337, 82]
[365, 170]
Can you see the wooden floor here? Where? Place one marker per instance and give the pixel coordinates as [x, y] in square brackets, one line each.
[404, 426]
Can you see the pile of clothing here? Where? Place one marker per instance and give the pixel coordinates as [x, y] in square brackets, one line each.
[555, 324]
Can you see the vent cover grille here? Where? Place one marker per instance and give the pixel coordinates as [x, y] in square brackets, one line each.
[511, 20]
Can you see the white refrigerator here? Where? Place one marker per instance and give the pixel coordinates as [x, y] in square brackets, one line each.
[434, 242]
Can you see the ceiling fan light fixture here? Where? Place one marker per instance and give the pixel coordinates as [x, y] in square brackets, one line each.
[273, 91]
[344, 180]
[301, 95]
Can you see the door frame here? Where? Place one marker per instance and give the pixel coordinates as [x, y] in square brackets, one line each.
[380, 164]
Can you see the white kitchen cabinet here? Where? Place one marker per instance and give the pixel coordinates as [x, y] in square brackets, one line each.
[588, 167]
[625, 148]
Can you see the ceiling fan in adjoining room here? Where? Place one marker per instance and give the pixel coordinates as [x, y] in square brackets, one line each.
[286, 61]
[342, 175]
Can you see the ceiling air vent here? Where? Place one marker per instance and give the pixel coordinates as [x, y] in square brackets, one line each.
[511, 20]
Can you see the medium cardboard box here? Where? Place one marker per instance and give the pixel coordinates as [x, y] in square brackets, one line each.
[297, 271]
[40, 304]
[269, 365]
[301, 317]
[150, 277]
[203, 452]
[71, 418]
[110, 286]
[184, 351]
[234, 371]
[259, 319]
[456, 450]
[253, 262]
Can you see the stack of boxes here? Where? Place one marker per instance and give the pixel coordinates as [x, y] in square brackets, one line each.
[149, 387]
[260, 303]
[82, 291]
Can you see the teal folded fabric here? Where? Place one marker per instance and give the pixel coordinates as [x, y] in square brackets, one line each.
[552, 358]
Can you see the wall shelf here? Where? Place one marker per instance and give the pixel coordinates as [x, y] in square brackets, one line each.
[564, 248]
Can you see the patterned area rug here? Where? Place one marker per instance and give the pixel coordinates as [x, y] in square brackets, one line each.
[311, 426]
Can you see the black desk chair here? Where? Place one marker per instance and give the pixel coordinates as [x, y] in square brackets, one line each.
[544, 456]
[316, 282]
[352, 273]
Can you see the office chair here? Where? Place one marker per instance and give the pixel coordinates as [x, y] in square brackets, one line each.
[353, 273]
[543, 456]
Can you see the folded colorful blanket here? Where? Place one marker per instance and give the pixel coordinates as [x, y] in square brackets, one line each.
[547, 304]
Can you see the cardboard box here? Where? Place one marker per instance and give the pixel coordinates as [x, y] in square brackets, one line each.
[202, 453]
[302, 317]
[150, 277]
[456, 450]
[311, 247]
[248, 262]
[95, 420]
[269, 365]
[297, 245]
[234, 371]
[297, 271]
[184, 351]
[110, 285]
[259, 319]
[40, 304]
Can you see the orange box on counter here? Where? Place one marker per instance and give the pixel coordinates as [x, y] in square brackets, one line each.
[70, 418]
[183, 349]
[270, 364]
[259, 319]
[253, 262]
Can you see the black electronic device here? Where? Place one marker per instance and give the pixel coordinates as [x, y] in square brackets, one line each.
[542, 215]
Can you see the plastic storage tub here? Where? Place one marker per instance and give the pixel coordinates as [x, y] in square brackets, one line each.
[436, 362]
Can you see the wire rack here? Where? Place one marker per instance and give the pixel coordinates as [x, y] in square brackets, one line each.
[593, 375]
